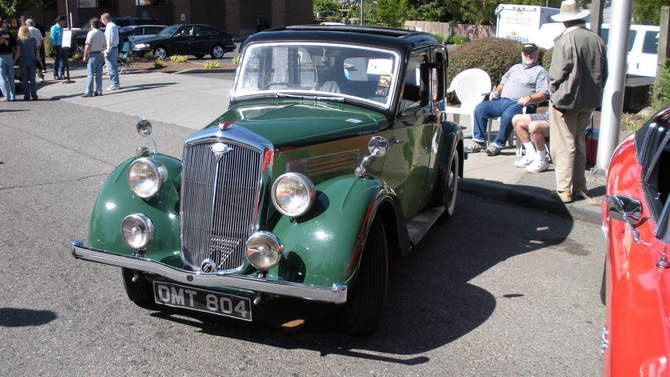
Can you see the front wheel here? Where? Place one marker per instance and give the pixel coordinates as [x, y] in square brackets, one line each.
[140, 291]
[217, 52]
[364, 308]
[160, 53]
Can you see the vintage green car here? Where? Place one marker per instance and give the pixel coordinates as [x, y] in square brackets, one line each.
[333, 154]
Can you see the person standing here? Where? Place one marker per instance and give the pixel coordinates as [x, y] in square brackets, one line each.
[36, 34]
[56, 37]
[112, 51]
[27, 57]
[576, 78]
[7, 54]
[95, 45]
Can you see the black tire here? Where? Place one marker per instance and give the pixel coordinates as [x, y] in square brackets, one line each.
[447, 188]
[141, 291]
[218, 51]
[160, 53]
[364, 308]
[199, 56]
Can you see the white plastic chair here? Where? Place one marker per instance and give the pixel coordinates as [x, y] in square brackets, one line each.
[471, 86]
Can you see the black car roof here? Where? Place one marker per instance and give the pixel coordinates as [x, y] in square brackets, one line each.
[370, 35]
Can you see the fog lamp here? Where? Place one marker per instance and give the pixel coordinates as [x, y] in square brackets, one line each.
[263, 250]
[137, 230]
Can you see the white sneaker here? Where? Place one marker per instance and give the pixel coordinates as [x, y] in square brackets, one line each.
[526, 160]
[538, 165]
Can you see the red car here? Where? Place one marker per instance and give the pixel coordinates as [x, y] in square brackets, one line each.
[636, 278]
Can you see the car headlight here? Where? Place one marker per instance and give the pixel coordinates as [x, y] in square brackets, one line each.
[293, 194]
[139, 46]
[263, 250]
[146, 176]
[137, 230]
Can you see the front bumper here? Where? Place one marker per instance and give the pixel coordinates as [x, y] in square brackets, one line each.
[336, 294]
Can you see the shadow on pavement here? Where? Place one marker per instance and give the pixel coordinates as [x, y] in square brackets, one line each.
[14, 317]
[431, 300]
[124, 89]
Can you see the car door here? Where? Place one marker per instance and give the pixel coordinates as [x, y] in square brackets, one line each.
[407, 161]
[202, 39]
[181, 40]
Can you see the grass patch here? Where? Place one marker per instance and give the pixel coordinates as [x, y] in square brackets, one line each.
[179, 58]
[158, 64]
[211, 64]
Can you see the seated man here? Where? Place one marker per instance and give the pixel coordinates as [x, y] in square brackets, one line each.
[532, 130]
[520, 86]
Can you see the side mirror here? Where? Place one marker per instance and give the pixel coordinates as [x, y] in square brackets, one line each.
[377, 146]
[626, 209]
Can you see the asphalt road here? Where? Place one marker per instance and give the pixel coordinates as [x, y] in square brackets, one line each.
[498, 291]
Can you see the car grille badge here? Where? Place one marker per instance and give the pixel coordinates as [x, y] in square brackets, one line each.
[219, 149]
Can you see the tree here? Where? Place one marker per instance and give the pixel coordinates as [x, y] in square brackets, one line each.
[648, 11]
[325, 8]
[15, 8]
[392, 13]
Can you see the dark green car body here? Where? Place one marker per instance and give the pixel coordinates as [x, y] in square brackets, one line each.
[324, 139]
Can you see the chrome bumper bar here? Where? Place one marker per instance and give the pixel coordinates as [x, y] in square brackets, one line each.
[336, 294]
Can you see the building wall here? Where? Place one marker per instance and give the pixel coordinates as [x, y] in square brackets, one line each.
[238, 17]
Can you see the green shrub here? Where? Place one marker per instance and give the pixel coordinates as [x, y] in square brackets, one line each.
[48, 50]
[546, 58]
[211, 64]
[440, 38]
[493, 55]
[660, 92]
[77, 57]
[457, 39]
[236, 60]
[179, 58]
[158, 63]
[149, 56]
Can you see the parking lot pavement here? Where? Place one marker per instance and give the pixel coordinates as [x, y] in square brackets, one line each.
[185, 100]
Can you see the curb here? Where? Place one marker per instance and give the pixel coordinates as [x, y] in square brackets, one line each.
[203, 70]
[535, 199]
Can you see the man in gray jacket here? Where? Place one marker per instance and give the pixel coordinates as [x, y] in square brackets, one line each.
[576, 78]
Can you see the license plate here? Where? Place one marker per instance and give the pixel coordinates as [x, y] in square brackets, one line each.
[181, 296]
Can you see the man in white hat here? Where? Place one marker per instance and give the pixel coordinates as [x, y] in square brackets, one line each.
[576, 78]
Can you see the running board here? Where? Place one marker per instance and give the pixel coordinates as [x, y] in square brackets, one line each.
[419, 225]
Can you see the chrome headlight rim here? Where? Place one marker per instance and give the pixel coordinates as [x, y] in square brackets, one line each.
[147, 228]
[156, 167]
[276, 248]
[306, 182]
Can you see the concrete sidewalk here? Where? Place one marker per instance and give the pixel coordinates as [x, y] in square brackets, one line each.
[191, 101]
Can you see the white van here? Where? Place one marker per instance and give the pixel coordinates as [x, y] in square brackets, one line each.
[642, 45]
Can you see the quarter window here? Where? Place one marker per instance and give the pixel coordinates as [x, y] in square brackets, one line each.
[650, 45]
[415, 86]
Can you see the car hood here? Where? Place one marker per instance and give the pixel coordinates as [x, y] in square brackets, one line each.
[151, 39]
[299, 122]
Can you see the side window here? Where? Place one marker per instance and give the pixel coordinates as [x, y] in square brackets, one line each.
[415, 85]
[650, 45]
[437, 78]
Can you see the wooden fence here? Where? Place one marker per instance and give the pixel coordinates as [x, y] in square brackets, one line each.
[446, 29]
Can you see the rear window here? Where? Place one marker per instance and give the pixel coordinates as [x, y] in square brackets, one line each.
[650, 45]
[631, 37]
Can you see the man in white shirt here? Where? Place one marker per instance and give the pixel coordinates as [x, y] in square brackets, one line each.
[111, 53]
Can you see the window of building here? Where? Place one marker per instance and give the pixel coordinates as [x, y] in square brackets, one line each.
[141, 3]
[95, 3]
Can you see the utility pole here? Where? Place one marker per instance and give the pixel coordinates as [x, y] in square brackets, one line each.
[612, 104]
[663, 41]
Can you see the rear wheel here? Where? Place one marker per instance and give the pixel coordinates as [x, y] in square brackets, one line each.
[364, 308]
[218, 52]
[139, 291]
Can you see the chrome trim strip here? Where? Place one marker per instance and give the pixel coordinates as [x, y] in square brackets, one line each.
[336, 294]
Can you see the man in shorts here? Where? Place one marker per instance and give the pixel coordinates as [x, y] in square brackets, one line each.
[532, 130]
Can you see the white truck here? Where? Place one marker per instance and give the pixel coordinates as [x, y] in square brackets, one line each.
[521, 22]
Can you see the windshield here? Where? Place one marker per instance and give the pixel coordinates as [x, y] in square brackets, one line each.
[168, 31]
[320, 70]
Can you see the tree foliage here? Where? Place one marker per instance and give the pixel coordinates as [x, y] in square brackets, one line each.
[392, 13]
[648, 11]
[15, 8]
[325, 8]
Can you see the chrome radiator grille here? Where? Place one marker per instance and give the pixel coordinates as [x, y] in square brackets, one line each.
[219, 197]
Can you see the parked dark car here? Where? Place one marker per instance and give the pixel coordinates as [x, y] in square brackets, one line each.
[133, 32]
[332, 157]
[127, 26]
[198, 40]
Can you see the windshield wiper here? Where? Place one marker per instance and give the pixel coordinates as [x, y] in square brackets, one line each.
[314, 98]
